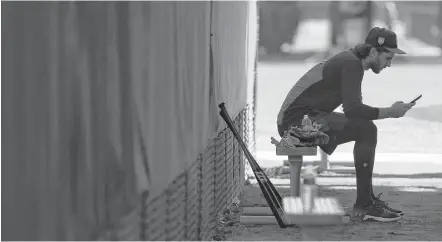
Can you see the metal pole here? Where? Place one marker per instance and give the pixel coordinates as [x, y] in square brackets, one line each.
[335, 23]
[369, 16]
[439, 24]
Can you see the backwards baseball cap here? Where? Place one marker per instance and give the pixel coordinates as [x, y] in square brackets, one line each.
[381, 37]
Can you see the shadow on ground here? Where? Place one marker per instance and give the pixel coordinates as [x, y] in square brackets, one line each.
[410, 176]
[422, 219]
[283, 172]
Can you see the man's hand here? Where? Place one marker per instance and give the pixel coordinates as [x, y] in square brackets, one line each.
[399, 109]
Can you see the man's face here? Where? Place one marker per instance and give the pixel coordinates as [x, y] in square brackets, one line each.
[380, 61]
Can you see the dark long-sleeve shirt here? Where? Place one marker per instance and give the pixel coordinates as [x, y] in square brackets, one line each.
[327, 85]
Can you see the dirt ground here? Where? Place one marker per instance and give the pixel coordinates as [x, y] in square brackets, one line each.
[422, 220]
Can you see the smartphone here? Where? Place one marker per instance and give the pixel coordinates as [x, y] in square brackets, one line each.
[417, 98]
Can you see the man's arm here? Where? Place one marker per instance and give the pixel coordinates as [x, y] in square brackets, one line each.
[384, 113]
[351, 80]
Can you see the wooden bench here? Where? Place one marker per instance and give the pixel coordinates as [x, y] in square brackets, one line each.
[295, 159]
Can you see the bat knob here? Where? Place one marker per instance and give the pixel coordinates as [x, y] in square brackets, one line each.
[221, 105]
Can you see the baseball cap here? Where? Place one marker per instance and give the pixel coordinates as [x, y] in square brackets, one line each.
[381, 37]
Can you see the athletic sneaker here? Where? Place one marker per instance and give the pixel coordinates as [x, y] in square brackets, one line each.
[385, 204]
[375, 211]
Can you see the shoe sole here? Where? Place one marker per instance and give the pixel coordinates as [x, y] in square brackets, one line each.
[400, 214]
[380, 219]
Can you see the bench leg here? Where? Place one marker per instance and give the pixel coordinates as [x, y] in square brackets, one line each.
[325, 163]
[295, 175]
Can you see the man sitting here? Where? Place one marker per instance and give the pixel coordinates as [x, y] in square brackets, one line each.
[337, 81]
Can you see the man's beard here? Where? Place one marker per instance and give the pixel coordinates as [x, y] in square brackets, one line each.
[375, 67]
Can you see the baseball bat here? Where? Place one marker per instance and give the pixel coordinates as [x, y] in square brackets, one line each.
[269, 191]
[255, 167]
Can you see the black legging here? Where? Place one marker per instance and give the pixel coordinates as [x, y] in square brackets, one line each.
[364, 133]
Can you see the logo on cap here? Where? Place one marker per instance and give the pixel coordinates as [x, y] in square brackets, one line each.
[381, 40]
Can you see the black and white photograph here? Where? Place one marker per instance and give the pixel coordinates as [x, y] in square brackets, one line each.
[221, 120]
